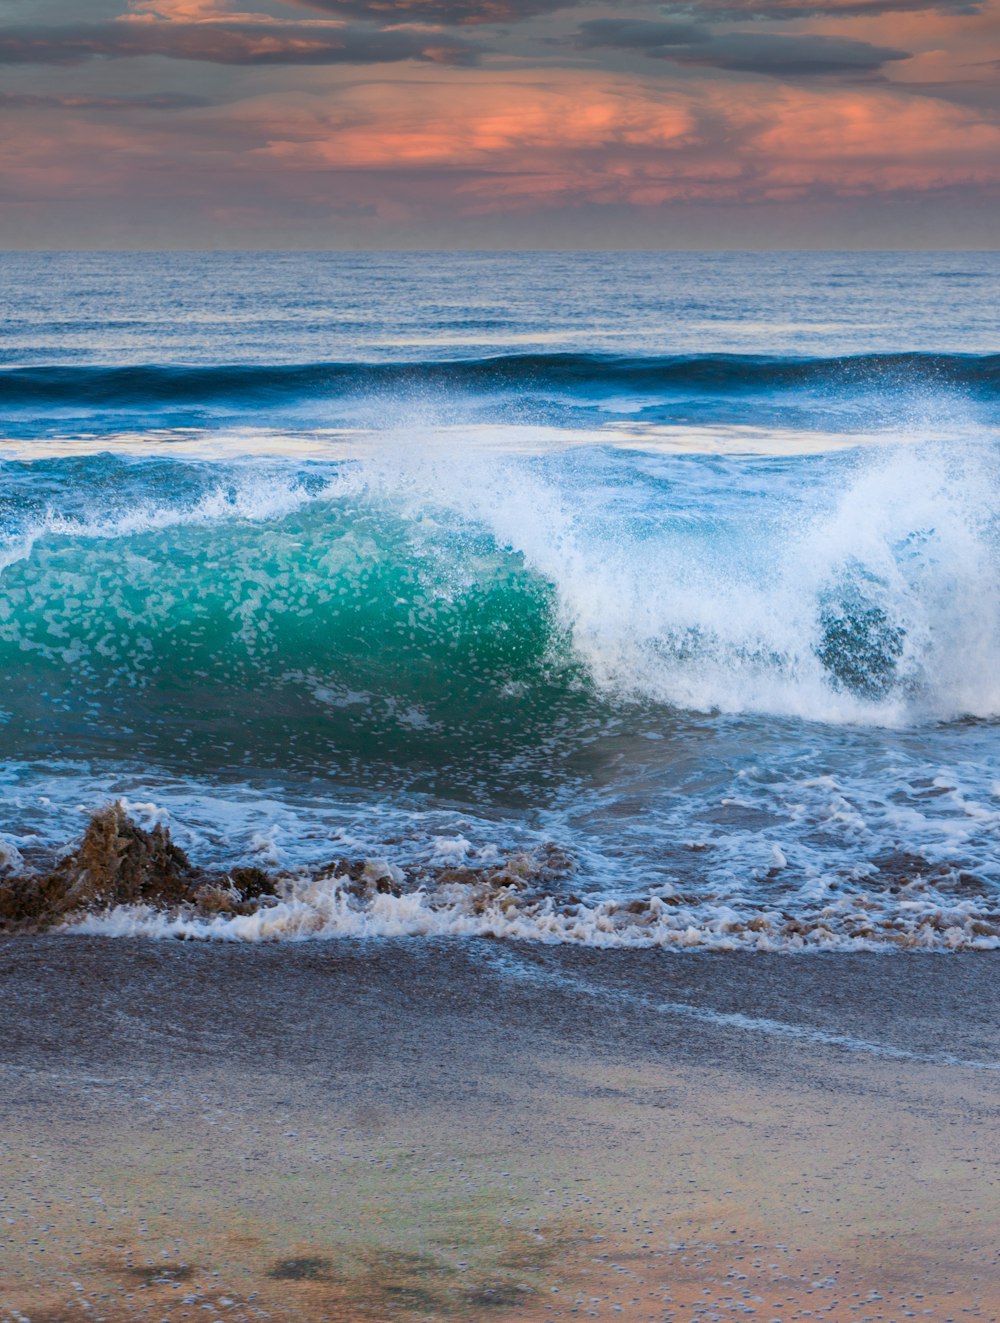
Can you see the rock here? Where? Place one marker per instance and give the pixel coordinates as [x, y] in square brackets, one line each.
[212, 899]
[119, 863]
[31, 902]
[252, 883]
[116, 863]
[637, 907]
[382, 877]
[461, 876]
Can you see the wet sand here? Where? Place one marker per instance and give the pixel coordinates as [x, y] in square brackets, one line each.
[477, 1130]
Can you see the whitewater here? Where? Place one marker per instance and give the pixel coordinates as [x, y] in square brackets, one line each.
[685, 567]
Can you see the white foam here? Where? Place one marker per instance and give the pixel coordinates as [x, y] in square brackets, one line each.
[243, 495]
[311, 908]
[11, 859]
[714, 607]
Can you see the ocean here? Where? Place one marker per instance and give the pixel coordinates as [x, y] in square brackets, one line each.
[668, 583]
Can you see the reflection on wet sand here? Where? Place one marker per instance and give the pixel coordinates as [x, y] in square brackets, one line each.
[374, 1132]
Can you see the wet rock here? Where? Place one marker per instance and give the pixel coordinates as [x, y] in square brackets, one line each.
[552, 863]
[381, 877]
[460, 876]
[352, 869]
[120, 863]
[212, 899]
[968, 884]
[252, 883]
[117, 863]
[11, 859]
[350, 873]
[31, 902]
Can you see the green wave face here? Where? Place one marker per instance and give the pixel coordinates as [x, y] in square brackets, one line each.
[337, 634]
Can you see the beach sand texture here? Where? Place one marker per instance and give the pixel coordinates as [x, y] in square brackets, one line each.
[443, 1130]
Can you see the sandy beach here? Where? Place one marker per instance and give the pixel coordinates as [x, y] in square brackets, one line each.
[473, 1130]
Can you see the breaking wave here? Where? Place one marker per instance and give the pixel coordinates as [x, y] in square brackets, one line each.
[434, 592]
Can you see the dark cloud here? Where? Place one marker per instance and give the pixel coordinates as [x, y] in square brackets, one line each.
[460, 12]
[649, 36]
[154, 101]
[467, 12]
[228, 43]
[763, 53]
[744, 52]
[739, 11]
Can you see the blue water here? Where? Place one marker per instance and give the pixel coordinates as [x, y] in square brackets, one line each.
[688, 564]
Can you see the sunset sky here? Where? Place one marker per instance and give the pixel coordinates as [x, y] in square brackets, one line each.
[499, 123]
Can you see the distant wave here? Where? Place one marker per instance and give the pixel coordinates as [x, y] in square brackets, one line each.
[589, 374]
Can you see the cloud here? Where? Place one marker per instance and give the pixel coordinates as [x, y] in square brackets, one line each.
[744, 52]
[646, 35]
[592, 137]
[765, 53]
[450, 12]
[802, 145]
[471, 126]
[739, 11]
[152, 101]
[186, 11]
[227, 42]
[447, 143]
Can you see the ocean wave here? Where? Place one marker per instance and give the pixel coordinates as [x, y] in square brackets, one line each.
[588, 375]
[430, 590]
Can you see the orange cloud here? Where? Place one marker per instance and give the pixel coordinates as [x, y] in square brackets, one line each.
[488, 122]
[856, 126]
[188, 11]
[461, 144]
[520, 141]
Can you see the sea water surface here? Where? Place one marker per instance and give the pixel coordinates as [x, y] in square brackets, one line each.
[685, 564]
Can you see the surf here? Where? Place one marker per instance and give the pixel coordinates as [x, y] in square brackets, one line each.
[454, 586]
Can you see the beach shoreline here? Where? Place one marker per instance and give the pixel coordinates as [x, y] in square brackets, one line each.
[469, 1129]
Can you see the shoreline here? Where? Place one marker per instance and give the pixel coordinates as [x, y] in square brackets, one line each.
[467, 1129]
[124, 880]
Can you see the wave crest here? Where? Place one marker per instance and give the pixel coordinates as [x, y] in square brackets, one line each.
[442, 589]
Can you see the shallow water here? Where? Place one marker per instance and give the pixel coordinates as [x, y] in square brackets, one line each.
[687, 563]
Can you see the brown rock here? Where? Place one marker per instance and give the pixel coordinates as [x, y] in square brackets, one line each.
[119, 863]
